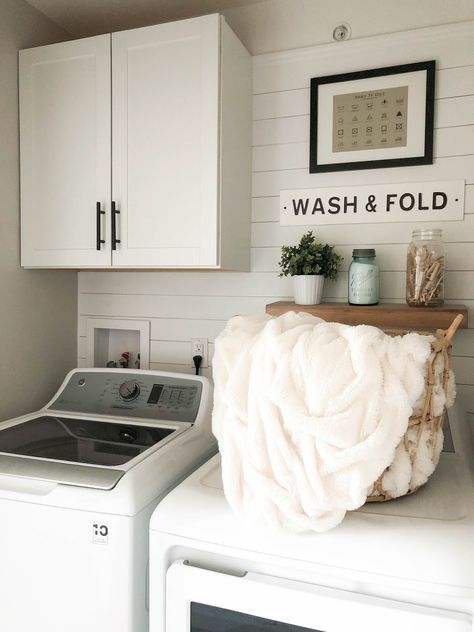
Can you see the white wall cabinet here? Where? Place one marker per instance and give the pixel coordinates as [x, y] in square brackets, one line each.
[135, 149]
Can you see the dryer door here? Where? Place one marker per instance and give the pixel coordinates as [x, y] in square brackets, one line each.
[199, 600]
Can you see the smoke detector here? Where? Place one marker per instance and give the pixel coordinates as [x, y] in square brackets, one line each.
[342, 32]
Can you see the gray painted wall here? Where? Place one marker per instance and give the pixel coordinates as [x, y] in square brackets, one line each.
[37, 308]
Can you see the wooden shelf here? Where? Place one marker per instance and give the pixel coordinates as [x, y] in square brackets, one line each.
[384, 315]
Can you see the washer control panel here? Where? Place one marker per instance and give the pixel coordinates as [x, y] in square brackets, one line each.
[146, 395]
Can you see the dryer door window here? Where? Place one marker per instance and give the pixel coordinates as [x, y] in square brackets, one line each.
[206, 618]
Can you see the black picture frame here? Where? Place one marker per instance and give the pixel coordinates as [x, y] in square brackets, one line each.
[319, 154]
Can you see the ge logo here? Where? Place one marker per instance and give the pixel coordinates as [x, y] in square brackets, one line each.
[100, 533]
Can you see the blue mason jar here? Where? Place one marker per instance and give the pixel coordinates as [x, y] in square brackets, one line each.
[363, 278]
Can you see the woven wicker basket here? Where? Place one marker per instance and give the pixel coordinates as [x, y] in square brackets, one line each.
[440, 346]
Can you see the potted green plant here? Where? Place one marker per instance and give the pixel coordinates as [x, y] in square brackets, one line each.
[309, 263]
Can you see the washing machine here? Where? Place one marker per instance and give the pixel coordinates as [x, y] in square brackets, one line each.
[79, 480]
[407, 564]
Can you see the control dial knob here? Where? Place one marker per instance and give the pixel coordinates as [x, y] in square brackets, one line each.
[129, 390]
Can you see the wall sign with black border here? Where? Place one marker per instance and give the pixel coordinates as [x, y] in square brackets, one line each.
[374, 118]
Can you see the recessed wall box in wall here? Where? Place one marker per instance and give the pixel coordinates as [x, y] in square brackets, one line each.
[136, 149]
[107, 339]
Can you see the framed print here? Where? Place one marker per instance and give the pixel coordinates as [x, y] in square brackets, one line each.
[374, 118]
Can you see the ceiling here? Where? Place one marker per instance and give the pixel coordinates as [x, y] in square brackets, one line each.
[81, 18]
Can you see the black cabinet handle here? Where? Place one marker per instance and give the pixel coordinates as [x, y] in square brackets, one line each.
[99, 213]
[114, 214]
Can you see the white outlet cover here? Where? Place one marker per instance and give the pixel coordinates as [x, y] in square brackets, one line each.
[195, 351]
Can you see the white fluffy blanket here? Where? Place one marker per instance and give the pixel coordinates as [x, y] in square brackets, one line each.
[308, 414]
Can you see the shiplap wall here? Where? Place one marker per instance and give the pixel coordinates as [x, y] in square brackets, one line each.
[184, 305]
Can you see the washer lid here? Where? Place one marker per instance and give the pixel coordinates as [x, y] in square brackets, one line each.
[66, 450]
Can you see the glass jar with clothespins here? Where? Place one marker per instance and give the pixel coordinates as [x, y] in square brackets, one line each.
[426, 263]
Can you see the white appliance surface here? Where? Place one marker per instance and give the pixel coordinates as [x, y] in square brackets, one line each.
[79, 480]
[405, 564]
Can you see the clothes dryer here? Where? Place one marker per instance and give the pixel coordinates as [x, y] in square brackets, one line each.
[407, 564]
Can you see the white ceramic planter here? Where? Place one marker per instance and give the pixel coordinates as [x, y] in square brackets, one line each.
[308, 288]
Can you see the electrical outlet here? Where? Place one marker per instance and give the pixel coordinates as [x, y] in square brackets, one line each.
[199, 347]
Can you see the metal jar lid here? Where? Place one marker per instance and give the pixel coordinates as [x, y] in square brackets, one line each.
[363, 252]
[425, 233]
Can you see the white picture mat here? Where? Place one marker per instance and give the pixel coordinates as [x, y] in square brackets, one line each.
[416, 82]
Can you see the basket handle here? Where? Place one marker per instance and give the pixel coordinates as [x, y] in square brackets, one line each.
[453, 327]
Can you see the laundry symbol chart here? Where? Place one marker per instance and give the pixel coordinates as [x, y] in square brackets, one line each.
[378, 119]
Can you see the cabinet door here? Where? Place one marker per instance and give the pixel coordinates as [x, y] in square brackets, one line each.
[165, 95]
[65, 118]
